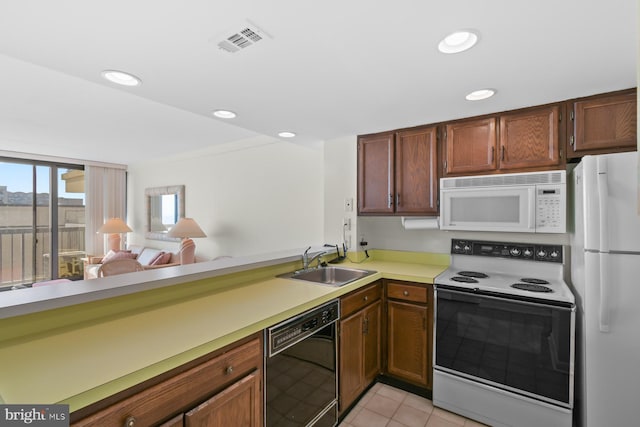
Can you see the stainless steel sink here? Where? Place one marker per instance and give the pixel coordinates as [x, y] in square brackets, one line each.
[331, 276]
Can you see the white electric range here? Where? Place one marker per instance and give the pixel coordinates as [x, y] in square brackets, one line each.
[504, 334]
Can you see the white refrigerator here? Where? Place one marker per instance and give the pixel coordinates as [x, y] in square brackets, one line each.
[605, 274]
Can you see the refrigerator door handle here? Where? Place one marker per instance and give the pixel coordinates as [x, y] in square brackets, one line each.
[604, 292]
[603, 199]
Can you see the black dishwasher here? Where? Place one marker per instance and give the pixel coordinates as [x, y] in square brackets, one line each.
[301, 369]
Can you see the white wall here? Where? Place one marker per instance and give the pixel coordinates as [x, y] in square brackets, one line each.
[387, 233]
[340, 182]
[251, 196]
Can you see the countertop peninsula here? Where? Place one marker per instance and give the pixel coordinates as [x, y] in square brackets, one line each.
[81, 353]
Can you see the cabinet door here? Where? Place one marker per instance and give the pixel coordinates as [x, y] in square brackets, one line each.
[407, 342]
[351, 359]
[471, 146]
[416, 171]
[375, 178]
[237, 405]
[530, 139]
[604, 124]
[372, 341]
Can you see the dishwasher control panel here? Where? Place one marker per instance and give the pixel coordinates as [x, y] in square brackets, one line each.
[291, 331]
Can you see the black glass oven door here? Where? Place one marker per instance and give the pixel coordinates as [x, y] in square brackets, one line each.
[522, 346]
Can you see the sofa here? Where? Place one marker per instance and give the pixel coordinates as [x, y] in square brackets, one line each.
[149, 258]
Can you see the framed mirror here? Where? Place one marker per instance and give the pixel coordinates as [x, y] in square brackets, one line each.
[165, 206]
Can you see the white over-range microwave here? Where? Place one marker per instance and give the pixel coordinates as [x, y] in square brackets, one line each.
[532, 202]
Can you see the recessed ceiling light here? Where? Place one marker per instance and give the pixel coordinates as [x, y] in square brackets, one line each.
[458, 42]
[224, 114]
[121, 78]
[287, 134]
[478, 95]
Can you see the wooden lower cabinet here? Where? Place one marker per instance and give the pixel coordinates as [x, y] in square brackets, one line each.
[237, 405]
[360, 342]
[409, 332]
[222, 390]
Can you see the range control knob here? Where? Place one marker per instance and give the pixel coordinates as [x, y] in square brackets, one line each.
[527, 252]
[541, 253]
[554, 254]
[467, 248]
[457, 247]
[515, 251]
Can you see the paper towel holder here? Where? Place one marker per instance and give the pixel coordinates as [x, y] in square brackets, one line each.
[420, 223]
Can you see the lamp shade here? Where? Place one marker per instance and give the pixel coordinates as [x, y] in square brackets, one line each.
[114, 225]
[186, 227]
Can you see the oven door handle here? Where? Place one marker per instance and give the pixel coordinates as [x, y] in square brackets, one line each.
[477, 297]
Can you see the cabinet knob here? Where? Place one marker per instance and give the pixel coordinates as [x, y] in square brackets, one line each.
[366, 298]
[229, 370]
[405, 293]
[130, 421]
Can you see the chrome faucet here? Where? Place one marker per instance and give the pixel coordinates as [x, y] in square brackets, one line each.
[306, 262]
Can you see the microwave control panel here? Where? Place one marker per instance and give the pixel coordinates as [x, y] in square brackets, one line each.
[550, 209]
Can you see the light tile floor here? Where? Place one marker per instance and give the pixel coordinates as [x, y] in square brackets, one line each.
[386, 406]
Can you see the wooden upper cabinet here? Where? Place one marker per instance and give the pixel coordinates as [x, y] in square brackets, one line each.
[416, 172]
[471, 146]
[530, 139]
[398, 173]
[603, 124]
[522, 140]
[375, 178]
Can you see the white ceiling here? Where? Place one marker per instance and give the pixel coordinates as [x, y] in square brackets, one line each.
[331, 68]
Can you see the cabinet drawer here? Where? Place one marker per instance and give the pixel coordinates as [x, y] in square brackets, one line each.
[406, 292]
[361, 298]
[181, 392]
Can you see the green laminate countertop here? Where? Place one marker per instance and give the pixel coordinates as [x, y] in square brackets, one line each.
[79, 363]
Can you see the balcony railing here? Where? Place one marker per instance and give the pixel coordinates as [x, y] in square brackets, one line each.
[17, 255]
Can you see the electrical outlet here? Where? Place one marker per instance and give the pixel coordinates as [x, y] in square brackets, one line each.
[347, 223]
[348, 204]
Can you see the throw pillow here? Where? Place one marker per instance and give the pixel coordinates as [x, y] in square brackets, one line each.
[162, 259]
[112, 256]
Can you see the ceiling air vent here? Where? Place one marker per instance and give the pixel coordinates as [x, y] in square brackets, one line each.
[246, 36]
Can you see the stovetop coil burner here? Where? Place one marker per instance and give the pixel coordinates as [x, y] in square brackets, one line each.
[532, 287]
[474, 274]
[535, 281]
[464, 279]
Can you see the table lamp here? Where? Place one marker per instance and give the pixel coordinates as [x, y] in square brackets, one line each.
[185, 229]
[115, 227]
